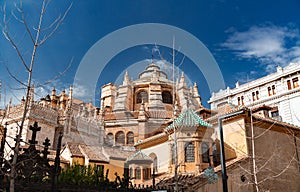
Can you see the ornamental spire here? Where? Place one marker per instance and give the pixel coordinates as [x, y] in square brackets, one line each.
[126, 79]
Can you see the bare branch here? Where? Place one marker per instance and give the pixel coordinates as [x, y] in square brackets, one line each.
[58, 76]
[16, 17]
[14, 77]
[52, 24]
[8, 37]
[281, 172]
[256, 137]
[25, 24]
[58, 24]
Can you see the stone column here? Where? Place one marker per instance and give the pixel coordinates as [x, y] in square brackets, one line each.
[200, 156]
[180, 155]
[211, 153]
[142, 173]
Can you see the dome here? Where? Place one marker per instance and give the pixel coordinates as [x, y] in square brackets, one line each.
[151, 71]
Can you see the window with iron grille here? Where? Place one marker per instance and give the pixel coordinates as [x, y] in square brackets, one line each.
[189, 152]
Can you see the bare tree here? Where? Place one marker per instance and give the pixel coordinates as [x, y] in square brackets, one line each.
[37, 35]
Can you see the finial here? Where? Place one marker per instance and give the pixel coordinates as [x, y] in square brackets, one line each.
[126, 78]
[53, 91]
[182, 80]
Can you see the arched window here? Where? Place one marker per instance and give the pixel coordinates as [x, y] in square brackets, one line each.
[154, 159]
[189, 152]
[146, 173]
[173, 153]
[216, 157]
[205, 152]
[130, 172]
[142, 96]
[110, 139]
[120, 138]
[130, 138]
[167, 97]
[138, 173]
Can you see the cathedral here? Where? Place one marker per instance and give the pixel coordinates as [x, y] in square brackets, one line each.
[157, 129]
[142, 108]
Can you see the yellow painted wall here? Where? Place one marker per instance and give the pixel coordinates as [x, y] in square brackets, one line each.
[78, 160]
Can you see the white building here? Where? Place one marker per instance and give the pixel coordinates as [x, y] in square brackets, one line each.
[279, 90]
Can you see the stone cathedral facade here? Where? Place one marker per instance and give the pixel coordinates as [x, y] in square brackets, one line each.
[129, 112]
[141, 108]
[56, 114]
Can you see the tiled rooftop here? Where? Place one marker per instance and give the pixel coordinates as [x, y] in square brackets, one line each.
[188, 118]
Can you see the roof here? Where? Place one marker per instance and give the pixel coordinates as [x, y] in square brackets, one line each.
[261, 107]
[152, 138]
[94, 153]
[118, 152]
[192, 180]
[274, 121]
[98, 153]
[75, 150]
[257, 117]
[188, 118]
[139, 156]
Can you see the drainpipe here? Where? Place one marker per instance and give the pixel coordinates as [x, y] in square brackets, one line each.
[223, 165]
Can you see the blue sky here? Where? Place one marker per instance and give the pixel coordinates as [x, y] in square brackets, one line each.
[248, 39]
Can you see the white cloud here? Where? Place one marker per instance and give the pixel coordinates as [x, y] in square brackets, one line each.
[270, 45]
[81, 92]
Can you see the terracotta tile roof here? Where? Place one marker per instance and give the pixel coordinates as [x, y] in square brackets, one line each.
[219, 114]
[94, 153]
[257, 117]
[117, 152]
[270, 120]
[99, 153]
[74, 149]
[188, 118]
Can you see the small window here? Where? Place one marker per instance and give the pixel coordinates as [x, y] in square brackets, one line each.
[146, 173]
[100, 169]
[275, 113]
[130, 172]
[239, 101]
[189, 152]
[138, 173]
[253, 96]
[269, 91]
[120, 138]
[295, 82]
[110, 139]
[216, 156]
[155, 164]
[242, 99]
[173, 153]
[130, 138]
[167, 97]
[273, 90]
[289, 84]
[205, 152]
[142, 96]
